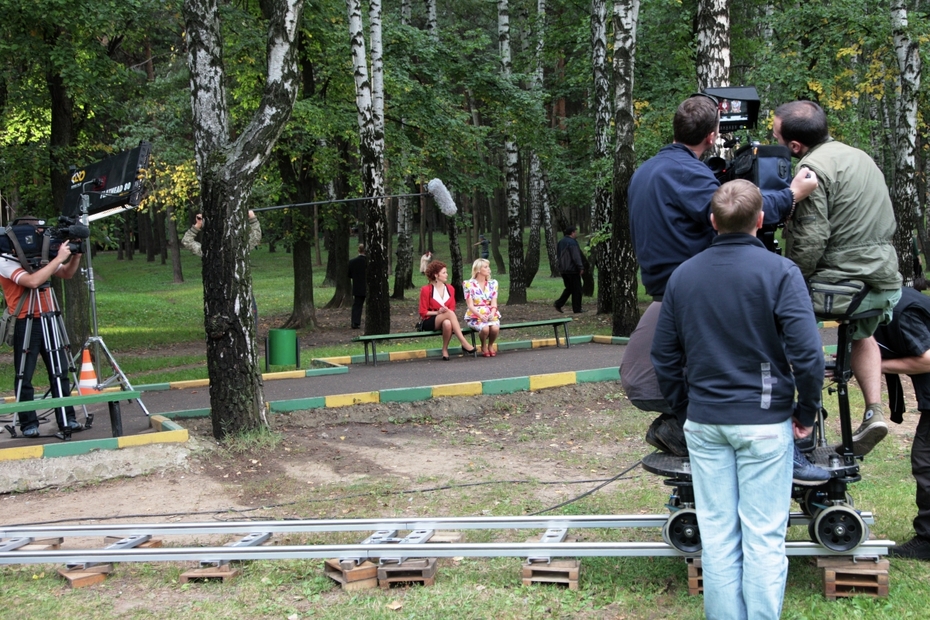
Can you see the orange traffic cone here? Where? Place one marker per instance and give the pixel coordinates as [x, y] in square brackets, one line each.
[87, 384]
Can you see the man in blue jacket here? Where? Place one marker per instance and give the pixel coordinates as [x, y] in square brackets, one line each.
[735, 336]
[669, 203]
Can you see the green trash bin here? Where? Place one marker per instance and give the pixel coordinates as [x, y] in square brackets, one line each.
[282, 348]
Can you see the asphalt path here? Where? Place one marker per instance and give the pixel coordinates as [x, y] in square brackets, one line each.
[412, 373]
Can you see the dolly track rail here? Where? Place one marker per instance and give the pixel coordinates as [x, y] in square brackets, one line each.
[224, 554]
[354, 525]
[872, 548]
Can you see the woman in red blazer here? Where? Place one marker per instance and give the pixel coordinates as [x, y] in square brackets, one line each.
[437, 308]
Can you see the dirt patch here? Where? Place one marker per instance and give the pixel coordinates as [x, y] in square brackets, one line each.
[579, 432]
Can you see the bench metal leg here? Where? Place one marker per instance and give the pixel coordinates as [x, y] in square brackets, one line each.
[374, 353]
[567, 341]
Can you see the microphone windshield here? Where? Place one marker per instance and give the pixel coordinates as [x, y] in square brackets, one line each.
[441, 195]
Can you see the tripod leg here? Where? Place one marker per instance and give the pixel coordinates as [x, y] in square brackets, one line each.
[53, 361]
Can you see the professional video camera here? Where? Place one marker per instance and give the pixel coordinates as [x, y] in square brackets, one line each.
[33, 241]
[766, 166]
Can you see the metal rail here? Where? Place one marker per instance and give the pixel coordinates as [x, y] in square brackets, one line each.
[354, 525]
[872, 549]
[12, 549]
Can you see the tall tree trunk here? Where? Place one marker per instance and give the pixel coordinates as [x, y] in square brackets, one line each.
[600, 207]
[174, 246]
[905, 185]
[226, 169]
[538, 194]
[538, 203]
[713, 43]
[61, 138]
[517, 293]
[403, 269]
[625, 285]
[371, 150]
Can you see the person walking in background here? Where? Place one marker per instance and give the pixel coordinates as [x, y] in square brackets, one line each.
[484, 243]
[571, 268]
[482, 314]
[437, 308]
[357, 268]
[424, 260]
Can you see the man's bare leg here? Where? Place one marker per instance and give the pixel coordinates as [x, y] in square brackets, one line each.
[866, 363]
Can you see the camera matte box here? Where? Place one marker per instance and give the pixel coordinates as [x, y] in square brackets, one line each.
[111, 183]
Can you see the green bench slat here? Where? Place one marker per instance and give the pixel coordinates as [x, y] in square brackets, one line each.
[85, 399]
[465, 330]
[537, 323]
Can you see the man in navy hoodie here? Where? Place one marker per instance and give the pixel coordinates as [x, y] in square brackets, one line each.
[669, 203]
[735, 336]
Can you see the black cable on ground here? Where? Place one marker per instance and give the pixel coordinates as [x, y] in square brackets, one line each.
[586, 493]
[243, 511]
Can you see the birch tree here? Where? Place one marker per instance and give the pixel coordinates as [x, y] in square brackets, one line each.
[227, 167]
[713, 43]
[624, 285]
[539, 194]
[371, 156]
[511, 173]
[600, 207]
[904, 191]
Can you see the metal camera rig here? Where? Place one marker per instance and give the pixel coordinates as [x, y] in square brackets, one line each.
[832, 519]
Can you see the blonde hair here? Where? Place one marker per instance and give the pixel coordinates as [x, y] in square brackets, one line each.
[478, 264]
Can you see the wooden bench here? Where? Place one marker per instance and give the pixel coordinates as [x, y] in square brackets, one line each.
[555, 323]
[375, 338]
[111, 398]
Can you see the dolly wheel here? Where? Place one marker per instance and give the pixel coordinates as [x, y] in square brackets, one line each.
[839, 528]
[681, 531]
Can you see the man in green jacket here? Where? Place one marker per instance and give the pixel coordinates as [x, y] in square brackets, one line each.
[843, 231]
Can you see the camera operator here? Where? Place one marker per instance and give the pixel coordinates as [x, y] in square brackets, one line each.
[17, 281]
[843, 231]
[669, 203]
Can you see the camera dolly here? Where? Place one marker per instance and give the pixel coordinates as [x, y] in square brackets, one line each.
[834, 521]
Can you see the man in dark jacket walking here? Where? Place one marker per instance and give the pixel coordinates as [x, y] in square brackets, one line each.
[732, 362]
[357, 268]
[571, 268]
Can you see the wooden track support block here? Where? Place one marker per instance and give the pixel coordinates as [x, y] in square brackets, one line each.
[83, 577]
[414, 571]
[361, 577]
[695, 576]
[842, 577]
[564, 572]
[210, 573]
[44, 544]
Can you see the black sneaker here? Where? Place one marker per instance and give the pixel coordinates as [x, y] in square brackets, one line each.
[806, 474]
[916, 548]
[74, 426]
[672, 435]
[651, 438]
[31, 432]
[558, 307]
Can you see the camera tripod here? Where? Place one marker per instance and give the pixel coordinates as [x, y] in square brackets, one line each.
[55, 349]
[95, 340]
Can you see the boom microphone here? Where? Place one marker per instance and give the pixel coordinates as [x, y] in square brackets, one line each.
[441, 195]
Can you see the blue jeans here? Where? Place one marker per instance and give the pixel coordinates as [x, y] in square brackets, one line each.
[742, 488]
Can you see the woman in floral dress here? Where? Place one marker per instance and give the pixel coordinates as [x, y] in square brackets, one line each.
[482, 314]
